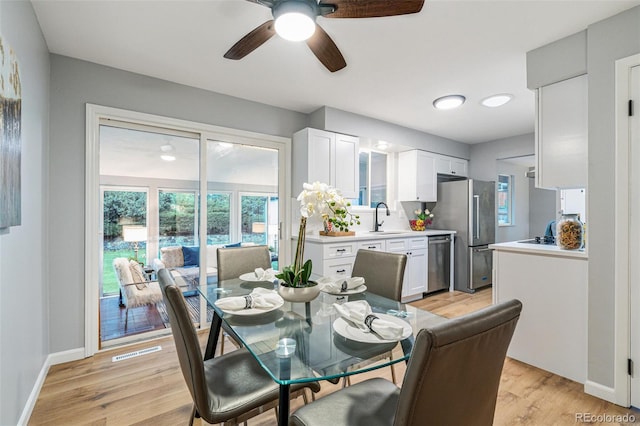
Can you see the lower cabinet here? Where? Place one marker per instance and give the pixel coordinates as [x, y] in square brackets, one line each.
[337, 259]
[416, 272]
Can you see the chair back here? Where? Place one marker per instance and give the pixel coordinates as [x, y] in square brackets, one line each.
[235, 261]
[186, 340]
[454, 370]
[383, 272]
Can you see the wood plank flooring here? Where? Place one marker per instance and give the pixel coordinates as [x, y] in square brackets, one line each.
[150, 390]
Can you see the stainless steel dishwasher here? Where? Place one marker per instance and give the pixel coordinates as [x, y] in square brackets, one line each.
[439, 262]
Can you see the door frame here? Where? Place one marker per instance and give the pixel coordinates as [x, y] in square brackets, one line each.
[93, 115]
[621, 391]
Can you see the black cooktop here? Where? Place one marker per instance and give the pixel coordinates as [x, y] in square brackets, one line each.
[540, 240]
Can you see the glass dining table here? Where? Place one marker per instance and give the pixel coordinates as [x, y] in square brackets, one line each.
[299, 342]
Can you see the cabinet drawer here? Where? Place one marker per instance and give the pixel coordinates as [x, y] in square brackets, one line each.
[397, 245]
[333, 251]
[377, 245]
[417, 243]
[338, 267]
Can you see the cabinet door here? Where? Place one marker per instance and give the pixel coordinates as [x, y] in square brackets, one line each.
[377, 245]
[561, 134]
[319, 156]
[415, 276]
[338, 267]
[459, 167]
[346, 165]
[426, 177]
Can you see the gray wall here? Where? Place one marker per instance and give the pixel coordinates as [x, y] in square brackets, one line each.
[349, 123]
[607, 41]
[75, 83]
[543, 208]
[483, 156]
[24, 336]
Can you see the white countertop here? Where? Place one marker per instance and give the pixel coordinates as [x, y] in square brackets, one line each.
[539, 249]
[365, 235]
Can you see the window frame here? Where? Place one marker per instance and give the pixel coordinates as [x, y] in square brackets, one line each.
[509, 199]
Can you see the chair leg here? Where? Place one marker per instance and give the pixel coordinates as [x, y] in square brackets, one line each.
[222, 343]
[393, 369]
[193, 415]
[126, 318]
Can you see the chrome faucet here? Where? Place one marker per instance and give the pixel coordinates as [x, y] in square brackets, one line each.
[376, 225]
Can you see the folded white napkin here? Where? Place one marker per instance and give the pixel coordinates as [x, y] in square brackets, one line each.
[260, 298]
[336, 285]
[265, 274]
[359, 313]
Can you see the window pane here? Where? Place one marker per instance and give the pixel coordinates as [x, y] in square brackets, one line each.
[177, 218]
[505, 189]
[363, 197]
[378, 182]
[121, 208]
[254, 218]
[218, 218]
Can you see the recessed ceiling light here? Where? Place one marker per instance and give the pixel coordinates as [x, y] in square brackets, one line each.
[449, 102]
[496, 100]
[167, 157]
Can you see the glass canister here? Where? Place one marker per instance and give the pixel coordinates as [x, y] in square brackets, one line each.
[570, 232]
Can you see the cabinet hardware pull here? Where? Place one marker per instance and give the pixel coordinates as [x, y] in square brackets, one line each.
[371, 247]
[341, 271]
[341, 250]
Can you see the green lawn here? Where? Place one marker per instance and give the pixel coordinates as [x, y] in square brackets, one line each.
[109, 280]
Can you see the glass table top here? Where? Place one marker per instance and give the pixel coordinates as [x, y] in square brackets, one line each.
[297, 342]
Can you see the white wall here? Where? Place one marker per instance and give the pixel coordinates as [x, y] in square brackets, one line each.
[519, 229]
[24, 336]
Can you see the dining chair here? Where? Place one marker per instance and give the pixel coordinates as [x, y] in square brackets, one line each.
[452, 378]
[230, 388]
[233, 262]
[383, 273]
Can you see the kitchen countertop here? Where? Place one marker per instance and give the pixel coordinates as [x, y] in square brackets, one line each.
[539, 249]
[365, 235]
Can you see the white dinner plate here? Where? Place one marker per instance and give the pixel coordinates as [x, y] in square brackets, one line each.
[360, 289]
[252, 311]
[350, 332]
[251, 277]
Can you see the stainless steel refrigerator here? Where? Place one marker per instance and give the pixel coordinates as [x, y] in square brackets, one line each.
[468, 207]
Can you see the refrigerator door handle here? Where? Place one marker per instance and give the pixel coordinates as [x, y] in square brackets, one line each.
[476, 213]
[482, 249]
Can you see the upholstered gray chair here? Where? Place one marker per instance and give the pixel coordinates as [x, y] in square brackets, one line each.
[230, 387]
[235, 261]
[383, 272]
[452, 378]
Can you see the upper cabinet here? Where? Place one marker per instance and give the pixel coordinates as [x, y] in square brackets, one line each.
[417, 176]
[451, 166]
[561, 134]
[325, 157]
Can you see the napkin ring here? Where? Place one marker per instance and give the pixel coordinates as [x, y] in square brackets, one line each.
[248, 302]
[369, 319]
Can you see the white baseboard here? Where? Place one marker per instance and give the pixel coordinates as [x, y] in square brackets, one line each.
[600, 391]
[52, 359]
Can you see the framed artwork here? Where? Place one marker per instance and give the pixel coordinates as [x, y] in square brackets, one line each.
[10, 137]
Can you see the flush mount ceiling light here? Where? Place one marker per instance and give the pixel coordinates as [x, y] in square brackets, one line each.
[167, 149]
[382, 145]
[496, 100]
[167, 157]
[294, 20]
[449, 102]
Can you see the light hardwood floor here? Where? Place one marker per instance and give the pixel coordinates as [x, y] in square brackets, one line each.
[150, 390]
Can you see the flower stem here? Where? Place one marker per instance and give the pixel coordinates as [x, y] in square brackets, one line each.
[298, 262]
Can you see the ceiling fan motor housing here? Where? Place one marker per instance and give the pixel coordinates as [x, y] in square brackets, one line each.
[306, 7]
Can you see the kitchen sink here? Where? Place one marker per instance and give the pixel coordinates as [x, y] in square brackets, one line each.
[388, 232]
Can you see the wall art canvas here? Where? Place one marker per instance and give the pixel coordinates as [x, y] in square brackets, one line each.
[10, 132]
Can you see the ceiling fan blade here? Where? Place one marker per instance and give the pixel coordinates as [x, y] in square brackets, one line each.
[251, 41]
[371, 8]
[326, 50]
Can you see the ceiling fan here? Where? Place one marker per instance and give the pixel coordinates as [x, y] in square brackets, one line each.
[305, 12]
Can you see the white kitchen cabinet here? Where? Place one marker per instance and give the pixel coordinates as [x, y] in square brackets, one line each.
[417, 178]
[451, 166]
[561, 134]
[326, 157]
[414, 284]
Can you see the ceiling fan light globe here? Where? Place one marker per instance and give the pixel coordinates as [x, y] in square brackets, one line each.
[295, 26]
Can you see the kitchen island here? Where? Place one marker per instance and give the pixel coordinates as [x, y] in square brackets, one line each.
[334, 256]
[551, 283]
